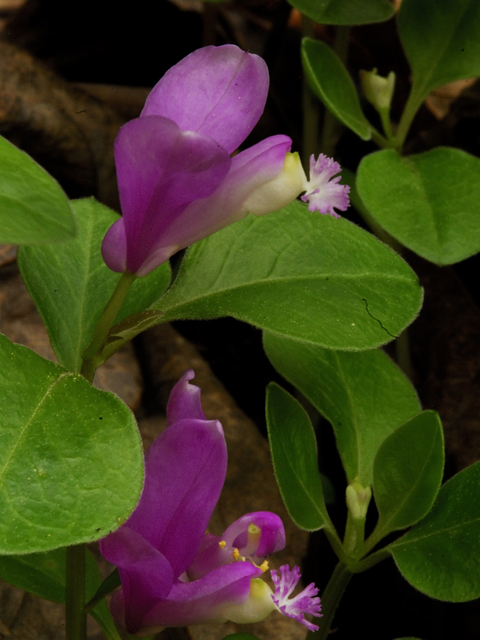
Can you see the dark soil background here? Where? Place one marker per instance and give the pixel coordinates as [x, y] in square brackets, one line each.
[99, 41]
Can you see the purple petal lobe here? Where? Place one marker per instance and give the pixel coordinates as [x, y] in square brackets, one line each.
[270, 539]
[250, 169]
[305, 602]
[184, 474]
[219, 92]
[160, 171]
[145, 573]
[185, 400]
[203, 600]
[114, 247]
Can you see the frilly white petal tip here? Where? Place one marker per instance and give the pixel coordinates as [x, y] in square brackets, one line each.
[306, 601]
[323, 193]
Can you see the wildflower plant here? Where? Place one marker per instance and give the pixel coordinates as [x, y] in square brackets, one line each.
[267, 245]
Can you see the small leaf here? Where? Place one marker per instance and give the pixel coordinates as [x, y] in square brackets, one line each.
[441, 41]
[364, 395]
[294, 455]
[43, 574]
[407, 473]
[331, 82]
[71, 284]
[428, 202]
[345, 12]
[440, 556]
[302, 275]
[71, 463]
[33, 207]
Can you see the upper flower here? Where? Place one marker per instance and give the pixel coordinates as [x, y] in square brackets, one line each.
[177, 181]
[172, 572]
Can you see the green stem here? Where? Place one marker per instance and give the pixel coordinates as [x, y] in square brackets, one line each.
[90, 355]
[331, 599]
[75, 616]
[332, 128]
[413, 105]
[310, 107]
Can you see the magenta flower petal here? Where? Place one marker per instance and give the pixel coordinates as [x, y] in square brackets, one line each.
[185, 400]
[159, 168]
[252, 537]
[250, 170]
[184, 475]
[219, 92]
[146, 574]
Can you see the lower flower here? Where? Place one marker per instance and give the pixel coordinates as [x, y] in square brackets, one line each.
[172, 572]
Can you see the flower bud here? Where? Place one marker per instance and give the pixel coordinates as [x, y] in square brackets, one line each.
[358, 499]
[378, 90]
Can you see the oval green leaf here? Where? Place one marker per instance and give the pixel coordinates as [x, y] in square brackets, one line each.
[305, 276]
[345, 12]
[33, 207]
[441, 40]
[332, 84]
[71, 284]
[71, 463]
[428, 202]
[407, 473]
[364, 395]
[294, 456]
[440, 556]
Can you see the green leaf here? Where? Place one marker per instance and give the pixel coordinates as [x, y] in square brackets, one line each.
[331, 82]
[294, 455]
[71, 463]
[240, 636]
[441, 41]
[364, 395]
[345, 12]
[43, 574]
[407, 473]
[71, 284]
[306, 276]
[440, 556]
[428, 202]
[33, 207]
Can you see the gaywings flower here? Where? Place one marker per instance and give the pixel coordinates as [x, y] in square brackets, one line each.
[172, 572]
[177, 180]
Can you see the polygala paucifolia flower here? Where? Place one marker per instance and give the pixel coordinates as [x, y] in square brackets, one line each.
[172, 572]
[177, 180]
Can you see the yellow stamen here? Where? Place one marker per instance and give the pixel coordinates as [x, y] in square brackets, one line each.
[264, 566]
[222, 544]
[236, 554]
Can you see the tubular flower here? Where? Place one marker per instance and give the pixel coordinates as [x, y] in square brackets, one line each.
[177, 181]
[172, 572]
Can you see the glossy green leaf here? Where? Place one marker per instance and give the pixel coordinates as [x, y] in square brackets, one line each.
[71, 463]
[33, 207]
[331, 82]
[294, 455]
[71, 284]
[43, 574]
[345, 12]
[428, 202]
[363, 395]
[307, 276]
[442, 41]
[440, 556]
[407, 473]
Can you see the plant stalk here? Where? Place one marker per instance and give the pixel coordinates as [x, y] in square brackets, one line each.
[75, 616]
[331, 596]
